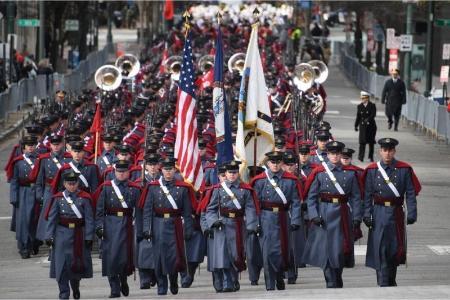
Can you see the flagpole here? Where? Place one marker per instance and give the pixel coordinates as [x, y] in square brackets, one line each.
[96, 147]
[255, 133]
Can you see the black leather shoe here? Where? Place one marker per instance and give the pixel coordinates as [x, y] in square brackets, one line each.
[174, 288]
[227, 290]
[280, 284]
[76, 293]
[390, 126]
[292, 281]
[125, 289]
[145, 286]
[270, 289]
[114, 296]
[255, 282]
[25, 255]
[237, 286]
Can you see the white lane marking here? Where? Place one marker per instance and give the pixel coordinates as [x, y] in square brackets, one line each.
[440, 249]
[360, 250]
[5, 218]
[333, 112]
[381, 113]
[356, 102]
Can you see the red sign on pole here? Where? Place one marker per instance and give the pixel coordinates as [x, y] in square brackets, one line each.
[393, 59]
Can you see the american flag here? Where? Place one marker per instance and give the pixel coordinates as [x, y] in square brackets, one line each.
[186, 144]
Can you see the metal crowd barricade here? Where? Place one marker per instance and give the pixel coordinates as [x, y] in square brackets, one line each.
[424, 113]
[42, 86]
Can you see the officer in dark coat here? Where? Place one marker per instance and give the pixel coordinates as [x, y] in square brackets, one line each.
[116, 200]
[394, 96]
[365, 123]
[230, 202]
[389, 185]
[23, 196]
[164, 203]
[70, 232]
[334, 207]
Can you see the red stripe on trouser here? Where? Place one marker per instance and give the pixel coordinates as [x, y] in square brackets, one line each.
[400, 230]
[180, 262]
[240, 261]
[345, 229]
[78, 240]
[282, 220]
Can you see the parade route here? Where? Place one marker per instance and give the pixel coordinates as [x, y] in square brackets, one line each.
[425, 277]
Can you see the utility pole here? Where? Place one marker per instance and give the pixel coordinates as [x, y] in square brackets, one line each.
[42, 30]
[407, 62]
[10, 30]
[109, 38]
[429, 48]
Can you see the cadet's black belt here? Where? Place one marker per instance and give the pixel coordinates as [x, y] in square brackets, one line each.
[119, 211]
[395, 201]
[25, 182]
[273, 206]
[231, 213]
[333, 198]
[166, 213]
[71, 222]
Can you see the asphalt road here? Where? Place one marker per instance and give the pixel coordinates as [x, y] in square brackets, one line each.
[426, 276]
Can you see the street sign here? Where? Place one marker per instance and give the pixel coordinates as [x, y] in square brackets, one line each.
[72, 25]
[442, 22]
[393, 59]
[28, 22]
[444, 74]
[406, 41]
[392, 41]
[446, 51]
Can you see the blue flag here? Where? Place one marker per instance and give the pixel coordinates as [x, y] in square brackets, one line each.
[222, 120]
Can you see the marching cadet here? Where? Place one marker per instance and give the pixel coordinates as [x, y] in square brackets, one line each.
[209, 234]
[108, 154]
[165, 202]
[334, 205]
[298, 236]
[144, 248]
[320, 154]
[116, 200]
[230, 211]
[346, 160]
[88, 172]
[47, 165]
[23, 197]
[305, 166]
[69, 233]
[279, 197]
[388, 184]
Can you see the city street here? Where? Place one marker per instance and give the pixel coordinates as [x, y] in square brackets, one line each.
[426, 275]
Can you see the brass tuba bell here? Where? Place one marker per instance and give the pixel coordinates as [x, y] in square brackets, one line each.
[237, 63]
[173, 66]
[108, 77]
[205, 63]
[304, 76]
[320, 70]
[129, 65]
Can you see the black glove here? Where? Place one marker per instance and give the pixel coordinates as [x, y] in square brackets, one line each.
[209, 233]
[88, 244]
[410, 221]
[99, 232]
[258, 230]
[304, 206]
[187, 235]
[356, 223]
[250, 232]
[368, 222]
[294, 227]
[147, 235]
[49, 242]
[218, 224]
[318, 221]
[356, 128]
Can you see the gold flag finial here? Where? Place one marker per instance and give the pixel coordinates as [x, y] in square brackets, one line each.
[186, 16]
[219, 17]
[256, 12]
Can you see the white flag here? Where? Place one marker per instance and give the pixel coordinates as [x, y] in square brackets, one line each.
[254, 111]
